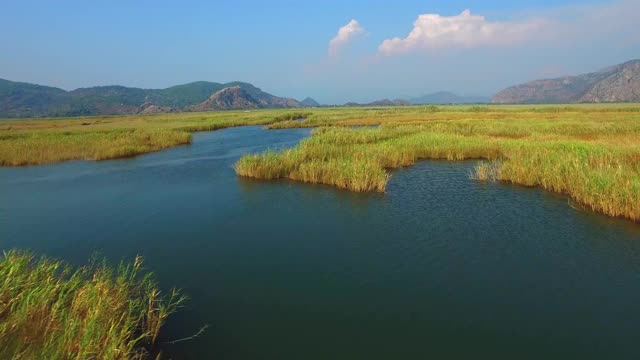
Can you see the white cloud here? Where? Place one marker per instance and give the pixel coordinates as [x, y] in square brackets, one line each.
[612, 21]
[345, 35]
[466, 30]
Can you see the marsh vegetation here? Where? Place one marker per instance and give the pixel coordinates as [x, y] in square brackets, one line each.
[49, 310]
[589, 152]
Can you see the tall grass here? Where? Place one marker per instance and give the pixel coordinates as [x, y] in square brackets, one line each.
[45, 147]
[50, 311]
[592, 156]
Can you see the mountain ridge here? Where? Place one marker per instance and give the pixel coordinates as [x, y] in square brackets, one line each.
[617, 83]
[20, 99]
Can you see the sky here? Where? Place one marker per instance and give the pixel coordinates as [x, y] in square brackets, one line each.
[334, 51]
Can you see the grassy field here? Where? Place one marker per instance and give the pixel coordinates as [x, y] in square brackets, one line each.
[589, 152]
[50, 311]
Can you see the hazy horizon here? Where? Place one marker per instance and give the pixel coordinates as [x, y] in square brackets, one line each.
[332, 52]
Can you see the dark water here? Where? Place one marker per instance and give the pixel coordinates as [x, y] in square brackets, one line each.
[440, 266]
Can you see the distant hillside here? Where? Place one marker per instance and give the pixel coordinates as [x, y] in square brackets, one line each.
[383, 102]
[28, 100]
[620, 83]
[309, 102]
[441, 97]
[445, 97]
[23, 99]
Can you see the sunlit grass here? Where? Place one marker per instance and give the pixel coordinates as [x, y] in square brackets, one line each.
[50, 311]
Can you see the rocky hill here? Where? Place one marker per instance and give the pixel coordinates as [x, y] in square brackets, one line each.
[30, 100]
[230, 98]
[620, 83]
[309, 102]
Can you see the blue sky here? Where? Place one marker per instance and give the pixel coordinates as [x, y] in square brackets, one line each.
[284, 46]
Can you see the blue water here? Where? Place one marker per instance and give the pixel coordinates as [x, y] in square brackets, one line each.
[440, 266]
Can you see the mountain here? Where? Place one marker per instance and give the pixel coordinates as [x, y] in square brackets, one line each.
[243, 96]
[29, 100]
[229, 98]
[309, 102]
[445, 97]
[619, 83]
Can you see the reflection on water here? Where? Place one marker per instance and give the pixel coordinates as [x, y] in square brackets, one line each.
[439, 266]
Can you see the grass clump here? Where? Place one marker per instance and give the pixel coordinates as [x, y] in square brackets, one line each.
[291, 116]
[50, 311]
[487, 171]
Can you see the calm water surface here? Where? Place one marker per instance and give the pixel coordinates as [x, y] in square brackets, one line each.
[439, 266]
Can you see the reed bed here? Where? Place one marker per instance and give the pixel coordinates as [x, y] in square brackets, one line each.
[45, 147]
[590, 155]
[50, 311]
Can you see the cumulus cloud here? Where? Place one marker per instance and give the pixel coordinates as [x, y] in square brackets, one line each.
[565, 26]
[466, 30]
[345, 35]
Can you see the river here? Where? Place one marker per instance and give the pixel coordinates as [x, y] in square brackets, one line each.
[439, 266]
